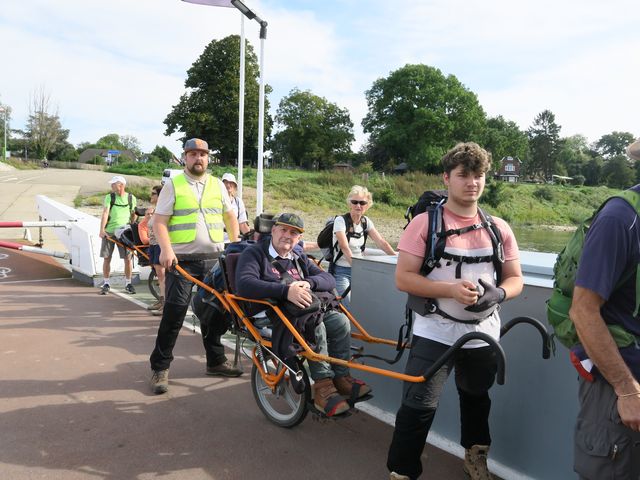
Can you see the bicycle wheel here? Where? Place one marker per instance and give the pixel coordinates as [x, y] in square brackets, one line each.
[284, 406]
[154, 285]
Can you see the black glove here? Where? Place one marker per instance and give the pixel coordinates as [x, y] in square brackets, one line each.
[492, 295]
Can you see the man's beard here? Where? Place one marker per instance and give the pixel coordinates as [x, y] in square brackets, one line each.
[197, 173]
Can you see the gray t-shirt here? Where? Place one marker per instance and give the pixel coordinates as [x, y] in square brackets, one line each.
[202, 242]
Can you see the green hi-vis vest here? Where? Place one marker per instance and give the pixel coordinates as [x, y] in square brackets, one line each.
[182, 224]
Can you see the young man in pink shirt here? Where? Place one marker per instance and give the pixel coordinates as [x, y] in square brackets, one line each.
[464, 295]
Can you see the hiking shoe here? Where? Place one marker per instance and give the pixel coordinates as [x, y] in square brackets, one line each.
[225, 369]
[105, 289]
[160, 381]
[475, 462]
[350, 387]
[129, 289]
[158, 305]
[397, 476]
[327, 399]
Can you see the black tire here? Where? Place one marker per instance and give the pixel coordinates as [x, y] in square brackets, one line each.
[284, 407]
[154, 285]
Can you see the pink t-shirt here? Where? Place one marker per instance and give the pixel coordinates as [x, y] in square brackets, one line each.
[475, 243]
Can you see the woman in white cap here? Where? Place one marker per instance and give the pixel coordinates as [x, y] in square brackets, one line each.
[230, 183]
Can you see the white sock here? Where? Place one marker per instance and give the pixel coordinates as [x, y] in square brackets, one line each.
[106, 281]
[127, 281]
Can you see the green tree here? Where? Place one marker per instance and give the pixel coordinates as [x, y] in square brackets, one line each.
[209, 109]
[613, 144]
[504, 138]
[110, 142]
[592, 171]
[313, 131]
[64, 152]
[131, 143]
[416, 114]
[544, 141]
[618, 173]
[573, 154]
[43, 130]
[162, 153]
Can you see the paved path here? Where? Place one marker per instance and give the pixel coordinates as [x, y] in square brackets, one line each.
[75, 405]
[20, 187]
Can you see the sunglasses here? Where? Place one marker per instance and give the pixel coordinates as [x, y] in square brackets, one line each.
[359, 202]
[154, 193]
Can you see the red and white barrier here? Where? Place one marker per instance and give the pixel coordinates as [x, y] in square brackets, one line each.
[35, 224]
[27, 248]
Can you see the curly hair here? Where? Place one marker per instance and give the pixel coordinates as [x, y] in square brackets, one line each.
[470, 155]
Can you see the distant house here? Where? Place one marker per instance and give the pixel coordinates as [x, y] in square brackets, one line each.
[509, 170]
[89, 153]
[342, 167]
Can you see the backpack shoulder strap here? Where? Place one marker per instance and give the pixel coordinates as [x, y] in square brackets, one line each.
[130, 200]
[112, 200]
[496, 242]
[337, 251]
[435, 242]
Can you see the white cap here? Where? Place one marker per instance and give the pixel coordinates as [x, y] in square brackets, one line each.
[229, 177]
[118, 178]
[633, 150]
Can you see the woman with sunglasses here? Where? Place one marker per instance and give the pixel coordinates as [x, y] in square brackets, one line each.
[350, 233]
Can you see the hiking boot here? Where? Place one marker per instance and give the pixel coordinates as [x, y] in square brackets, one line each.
[160, 381]
[397, 476]
[475, 462]
[105, 289]
[129, 289]
[225, 369]
[158, 305]
[327, 399]
[350, 387]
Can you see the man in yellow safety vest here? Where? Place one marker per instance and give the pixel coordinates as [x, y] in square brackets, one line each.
[192, 211]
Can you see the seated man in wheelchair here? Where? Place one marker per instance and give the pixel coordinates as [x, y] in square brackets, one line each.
[272, 269]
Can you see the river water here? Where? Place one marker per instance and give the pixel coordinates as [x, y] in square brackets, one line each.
[537, 239]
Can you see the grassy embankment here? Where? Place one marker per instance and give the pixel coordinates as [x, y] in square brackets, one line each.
[318, 195]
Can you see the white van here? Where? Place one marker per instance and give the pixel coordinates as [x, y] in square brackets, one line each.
[169, 173]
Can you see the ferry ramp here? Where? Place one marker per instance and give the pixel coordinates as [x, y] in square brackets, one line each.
[75, 402]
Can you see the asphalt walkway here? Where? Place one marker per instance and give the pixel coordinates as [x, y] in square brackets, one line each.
[75, 402]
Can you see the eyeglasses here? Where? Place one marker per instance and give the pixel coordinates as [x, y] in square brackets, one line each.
[359, 202]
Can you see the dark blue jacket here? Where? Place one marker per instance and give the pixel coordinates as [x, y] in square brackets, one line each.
[256, 278]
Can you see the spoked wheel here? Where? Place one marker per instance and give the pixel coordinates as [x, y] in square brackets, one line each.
[154, 285]
[282, 405]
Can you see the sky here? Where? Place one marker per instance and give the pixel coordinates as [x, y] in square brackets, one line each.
[119, 66]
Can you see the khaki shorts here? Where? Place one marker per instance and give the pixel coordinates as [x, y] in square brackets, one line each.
[604, 447]
[106, 249]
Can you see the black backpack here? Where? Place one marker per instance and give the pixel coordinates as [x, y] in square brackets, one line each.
[112, 203]
[325, 237]
[432, 201]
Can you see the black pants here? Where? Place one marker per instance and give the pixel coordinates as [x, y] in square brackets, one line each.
[475, 371]
[176, 303]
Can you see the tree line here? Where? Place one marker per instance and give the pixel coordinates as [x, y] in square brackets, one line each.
[415, 114]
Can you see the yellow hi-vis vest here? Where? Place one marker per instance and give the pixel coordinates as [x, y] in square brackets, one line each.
[182, 224]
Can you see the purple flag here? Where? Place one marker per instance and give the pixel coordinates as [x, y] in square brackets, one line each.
[213, 3]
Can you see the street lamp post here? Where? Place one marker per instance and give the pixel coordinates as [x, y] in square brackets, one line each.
[251, 15]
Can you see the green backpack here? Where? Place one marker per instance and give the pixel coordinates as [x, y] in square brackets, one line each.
[564, 272]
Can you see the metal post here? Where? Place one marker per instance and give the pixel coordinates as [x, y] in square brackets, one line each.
[241, 109]
[259, 186]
